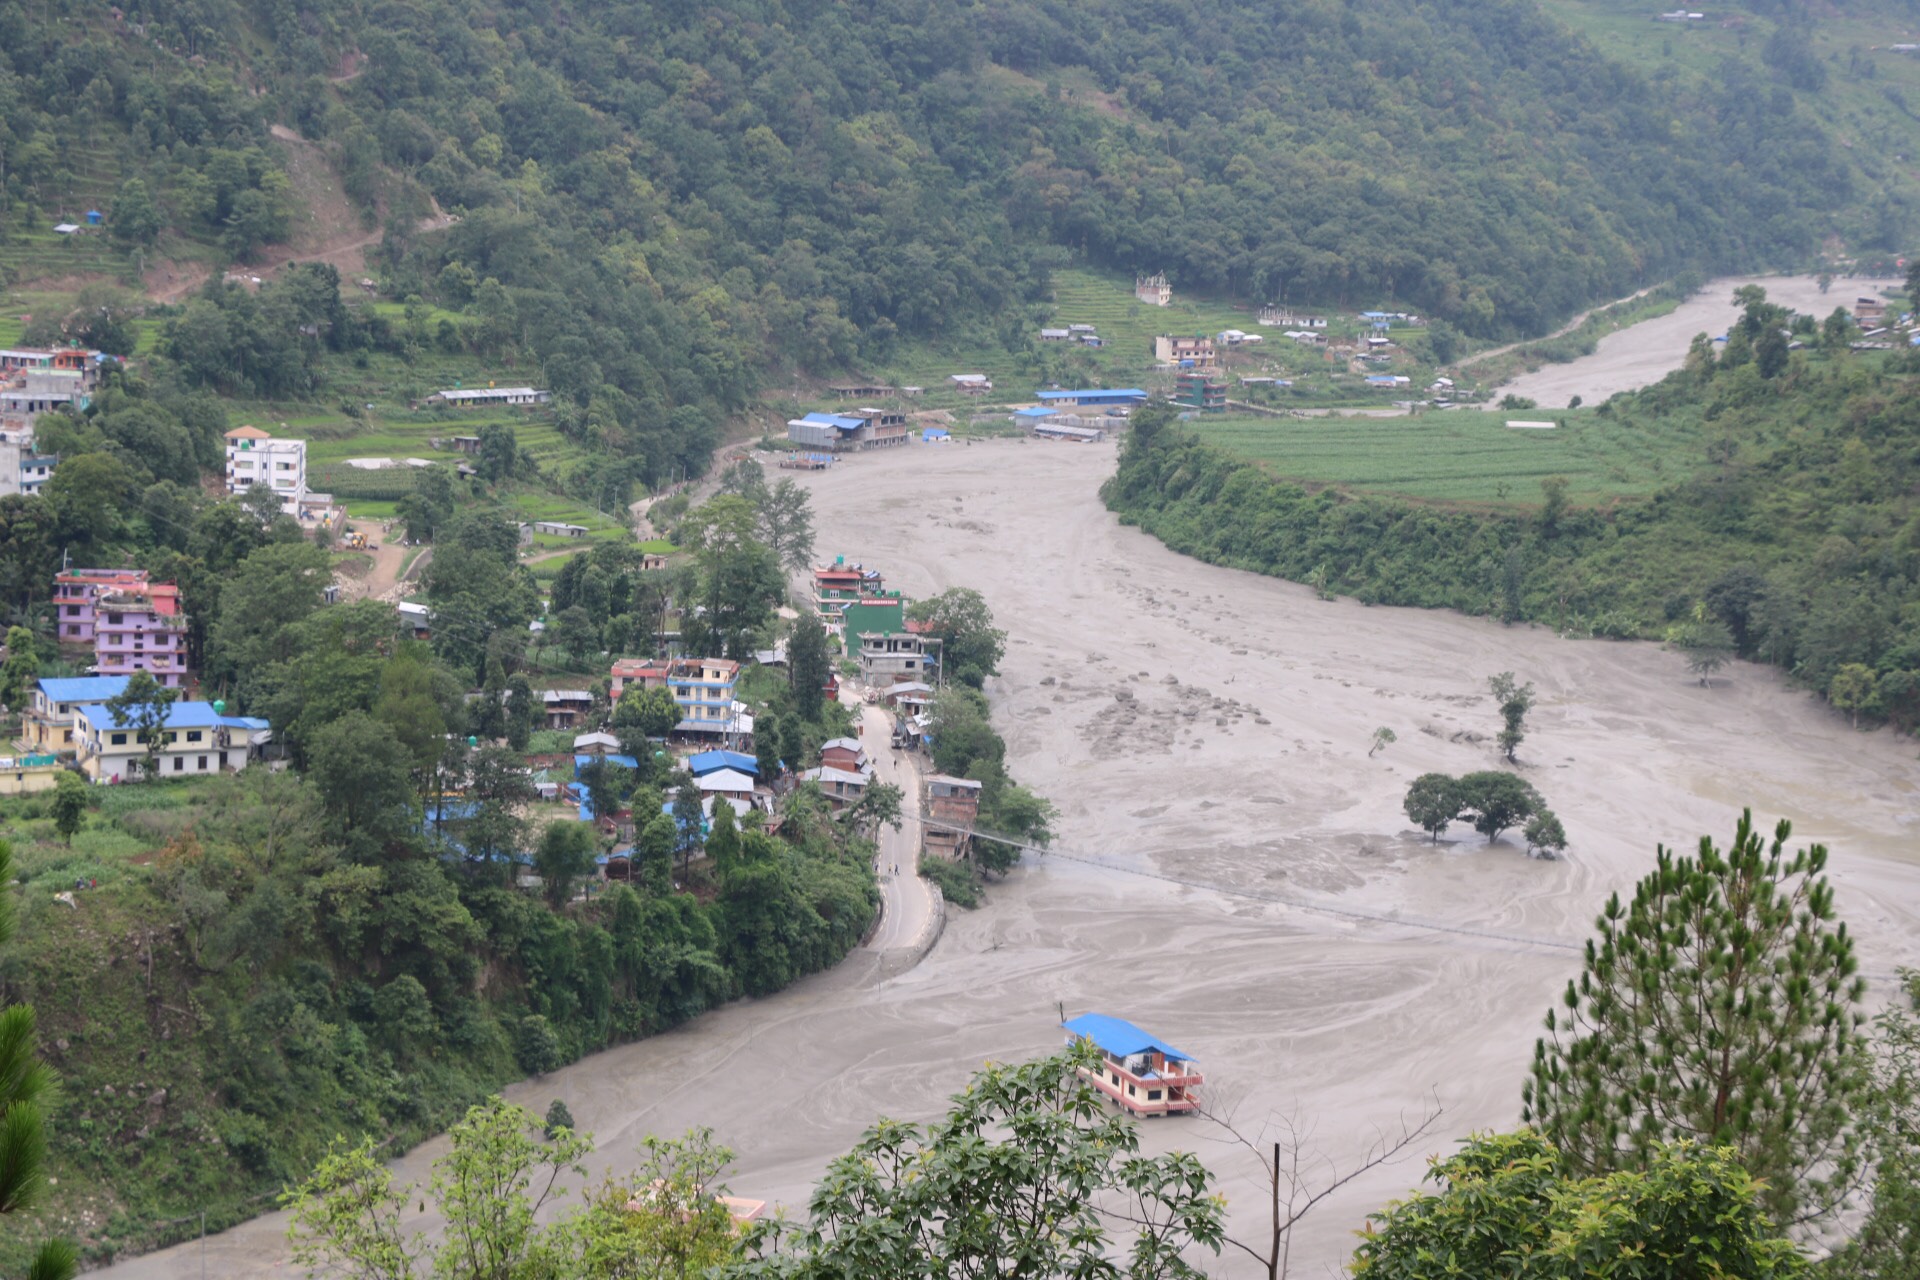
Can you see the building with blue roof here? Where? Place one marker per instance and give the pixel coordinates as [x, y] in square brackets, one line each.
[1143, 1074]
[714, 761]
[196, 738]
[849, 432]
[48, 724]
[1084, 397]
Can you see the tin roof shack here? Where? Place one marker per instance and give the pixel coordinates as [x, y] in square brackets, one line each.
[565, 708]
[1145, 1076]
[952, 807]
[1869, 311]
[842, 786]
[845, 753]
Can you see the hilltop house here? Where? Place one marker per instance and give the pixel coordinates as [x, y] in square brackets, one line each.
[1144, 1075]
[491, 395]
[1153, 290]
[196, 740]
[131, 624]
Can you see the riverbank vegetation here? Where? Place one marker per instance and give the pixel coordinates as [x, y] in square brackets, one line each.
[1792, 523]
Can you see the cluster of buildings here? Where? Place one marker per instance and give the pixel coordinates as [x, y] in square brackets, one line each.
[69, 718]
[1082, 335]
[899, 661]
[703, 690]
[35, 381]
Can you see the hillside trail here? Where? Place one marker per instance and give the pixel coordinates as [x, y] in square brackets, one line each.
[1561, 332]
[327, 228]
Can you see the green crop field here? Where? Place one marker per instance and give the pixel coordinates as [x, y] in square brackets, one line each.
[1467, 456]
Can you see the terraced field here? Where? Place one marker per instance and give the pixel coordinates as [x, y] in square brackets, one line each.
[1467, 456]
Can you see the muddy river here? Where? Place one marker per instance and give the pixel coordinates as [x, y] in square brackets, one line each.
[1644, 353]
[1205, 735]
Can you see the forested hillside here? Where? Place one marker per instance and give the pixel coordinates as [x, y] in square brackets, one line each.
[673, 198]
[1795, 540]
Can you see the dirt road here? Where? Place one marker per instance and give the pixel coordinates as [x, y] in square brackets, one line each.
[907, 910]
[1201, 820]
[1642, 354]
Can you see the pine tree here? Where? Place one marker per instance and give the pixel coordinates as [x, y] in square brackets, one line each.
[1722, 1005]
[25, 1086]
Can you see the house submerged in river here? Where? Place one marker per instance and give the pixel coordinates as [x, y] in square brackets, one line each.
[1145, 1076]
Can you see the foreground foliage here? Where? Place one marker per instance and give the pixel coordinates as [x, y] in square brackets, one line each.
[504, 1168]
[1027, 1175]
[1505, 1208]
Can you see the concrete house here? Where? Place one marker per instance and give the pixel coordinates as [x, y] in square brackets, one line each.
[1142, 1074]
[256, 458]
[1197, 352]
[845, 753]
[196, 739]
[889, 656]
[842, 786]
[48, 725]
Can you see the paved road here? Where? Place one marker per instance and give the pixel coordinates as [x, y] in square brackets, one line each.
[907, 901]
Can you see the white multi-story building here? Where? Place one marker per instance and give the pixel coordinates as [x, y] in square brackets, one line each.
[254, 457]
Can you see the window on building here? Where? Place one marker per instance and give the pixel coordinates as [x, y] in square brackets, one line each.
[203, 769]
[73, 611]
[179, 764]
[119, 739]
[1131, 1093]
[1153, 1095]
[194, 735]
[113, 619]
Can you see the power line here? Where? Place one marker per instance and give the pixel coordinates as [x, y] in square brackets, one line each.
[1300, 904]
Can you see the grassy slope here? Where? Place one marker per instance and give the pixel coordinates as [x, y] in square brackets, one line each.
[1468, 456]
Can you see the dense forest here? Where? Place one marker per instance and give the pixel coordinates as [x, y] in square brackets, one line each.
[659, 202]
[1796, 541]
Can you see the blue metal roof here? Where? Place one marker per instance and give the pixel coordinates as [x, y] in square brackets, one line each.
[1038, 411]
[714, 761]
[581, 762]
[1119, 1037]
[1094, 395]
[180, 715]
[834, 420]
[84, 688]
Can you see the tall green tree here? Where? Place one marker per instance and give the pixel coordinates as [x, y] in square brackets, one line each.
[69, 803]
[143, 706]
[1515, 701]
[1433, 802]
[1721, 1005]
[26, 1087]
[809, 666]
[22, 668]
[564, 857]
[1887, 1244]
[786, 523]
[970, 645]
